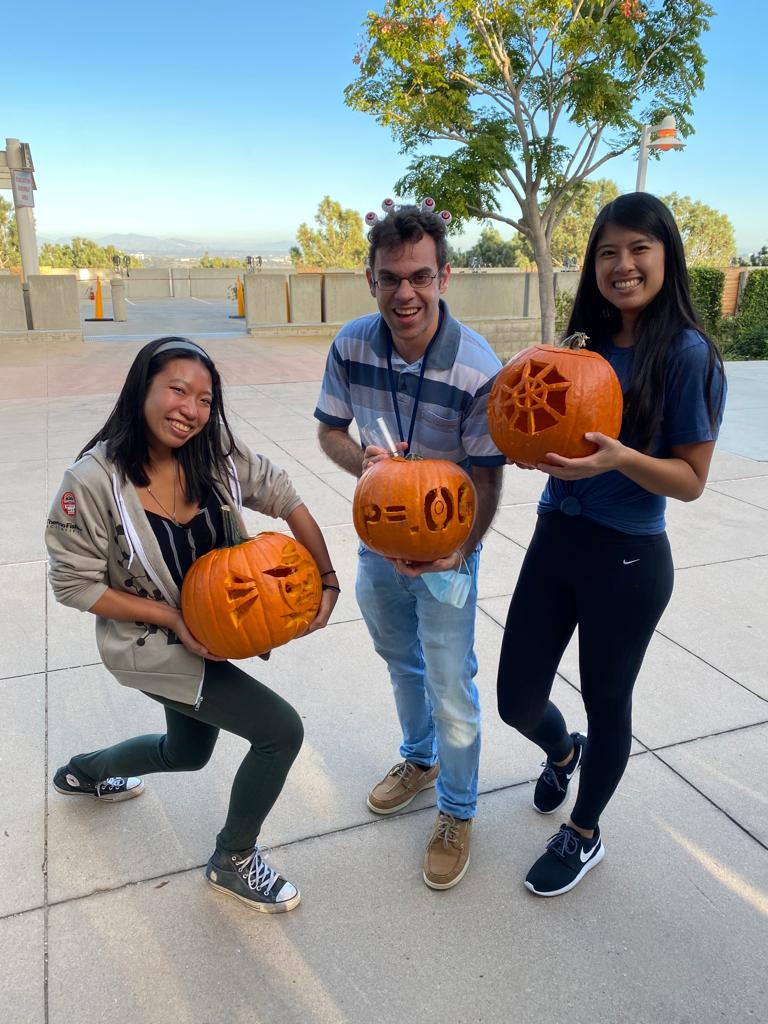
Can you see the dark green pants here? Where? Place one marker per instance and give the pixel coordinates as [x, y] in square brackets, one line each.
[237, 703]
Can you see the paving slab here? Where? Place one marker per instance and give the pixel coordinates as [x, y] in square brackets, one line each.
[717, 767]
[22, 794]
[720, 612]
[21, 534]
[752, 490]
[671, 927]
[22, 624]
[22, 951]
[715, 528]
[727, 466]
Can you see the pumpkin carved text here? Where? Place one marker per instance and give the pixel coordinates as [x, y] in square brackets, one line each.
[415, 509]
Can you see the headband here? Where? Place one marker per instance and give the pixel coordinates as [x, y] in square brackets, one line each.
[185, 346]
[427, 206]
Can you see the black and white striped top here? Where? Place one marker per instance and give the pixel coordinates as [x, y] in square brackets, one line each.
[181, 545]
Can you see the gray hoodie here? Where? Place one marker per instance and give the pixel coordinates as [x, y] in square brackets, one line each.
[98, 536]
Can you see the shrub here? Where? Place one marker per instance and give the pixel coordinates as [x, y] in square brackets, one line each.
[707, 285]
[745, 336]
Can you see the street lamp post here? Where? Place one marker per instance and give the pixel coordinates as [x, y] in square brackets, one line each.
[666, 138]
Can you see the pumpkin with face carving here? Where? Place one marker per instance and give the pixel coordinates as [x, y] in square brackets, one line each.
[415, 509]
[251, 595]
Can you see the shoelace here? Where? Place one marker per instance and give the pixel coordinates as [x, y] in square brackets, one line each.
[551, 776]
[405, 769]
[447, 830]
[111, 785]
[261, 877]
[565, 842]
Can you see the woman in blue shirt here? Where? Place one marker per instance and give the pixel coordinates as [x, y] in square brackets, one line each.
[599, 558]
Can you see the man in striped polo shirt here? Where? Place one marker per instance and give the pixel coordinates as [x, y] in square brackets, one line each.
[429, 377]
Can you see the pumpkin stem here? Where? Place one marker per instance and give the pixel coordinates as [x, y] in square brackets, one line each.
[413, 457]
[232, 536]
[577, 340]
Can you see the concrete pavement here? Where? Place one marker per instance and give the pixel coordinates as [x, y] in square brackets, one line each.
[104, 916]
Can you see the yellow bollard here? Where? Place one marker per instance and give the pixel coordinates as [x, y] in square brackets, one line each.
[240, 300]
[98, 312]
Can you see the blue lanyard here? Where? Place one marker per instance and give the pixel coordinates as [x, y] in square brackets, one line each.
[416, 397]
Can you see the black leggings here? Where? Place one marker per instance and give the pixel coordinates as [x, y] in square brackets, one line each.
[614, 586]
[237, 703]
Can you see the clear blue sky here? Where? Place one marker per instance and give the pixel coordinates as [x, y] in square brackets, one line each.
[227, 121]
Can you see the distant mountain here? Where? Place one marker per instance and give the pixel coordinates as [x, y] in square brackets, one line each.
[184, 248]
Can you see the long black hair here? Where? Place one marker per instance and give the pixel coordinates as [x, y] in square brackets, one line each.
[662, 320]
[203, 457]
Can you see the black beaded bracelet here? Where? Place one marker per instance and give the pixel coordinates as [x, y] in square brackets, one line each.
[330, 586]
[328, 572]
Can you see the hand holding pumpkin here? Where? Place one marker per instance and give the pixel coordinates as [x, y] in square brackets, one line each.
[180, 628]
[609, 455]
[410, 568]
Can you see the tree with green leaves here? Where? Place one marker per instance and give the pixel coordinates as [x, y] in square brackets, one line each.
[707, 234]
[527, 99]
[338, 240]
[218, 262]
[83, 252]
[10, 255]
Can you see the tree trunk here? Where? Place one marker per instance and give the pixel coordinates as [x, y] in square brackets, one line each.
[543, 256]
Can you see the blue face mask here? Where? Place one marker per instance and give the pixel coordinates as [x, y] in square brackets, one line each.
[451, 587]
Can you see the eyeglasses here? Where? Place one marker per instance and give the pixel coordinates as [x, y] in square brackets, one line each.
[389, 282]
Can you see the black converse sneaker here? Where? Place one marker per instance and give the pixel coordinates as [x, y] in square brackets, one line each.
[552, 787]
[248, 877]
[569, 856]
[111, 790]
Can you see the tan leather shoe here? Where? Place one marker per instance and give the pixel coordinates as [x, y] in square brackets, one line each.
[447, 856]
[399, 786]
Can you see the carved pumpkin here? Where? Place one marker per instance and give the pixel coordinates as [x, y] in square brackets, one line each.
[546, 398]
[416, 509]
[251, 595]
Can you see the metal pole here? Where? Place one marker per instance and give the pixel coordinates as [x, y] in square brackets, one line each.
[25, 219]
[642, 159]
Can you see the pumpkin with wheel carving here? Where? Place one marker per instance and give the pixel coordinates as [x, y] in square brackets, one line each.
[546, 398]
[416, 509]
[249, 596]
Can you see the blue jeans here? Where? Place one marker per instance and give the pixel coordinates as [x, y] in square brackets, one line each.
[429, 651]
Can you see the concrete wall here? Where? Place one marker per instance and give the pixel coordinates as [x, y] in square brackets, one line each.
[345, 296]
[54, 303]
[266, 299]
[212, 283]
[13, 316]
[306, 295]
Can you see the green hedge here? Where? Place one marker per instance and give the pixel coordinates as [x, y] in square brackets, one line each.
[707, 285]
[745, 336]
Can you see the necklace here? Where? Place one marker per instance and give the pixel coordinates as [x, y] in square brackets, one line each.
[172, 514]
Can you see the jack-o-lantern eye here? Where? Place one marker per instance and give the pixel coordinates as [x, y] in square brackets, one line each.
[545, 399]
[246, 598]
[417, 509]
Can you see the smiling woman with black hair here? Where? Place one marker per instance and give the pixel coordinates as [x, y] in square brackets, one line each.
[143, 501]
[599, 559]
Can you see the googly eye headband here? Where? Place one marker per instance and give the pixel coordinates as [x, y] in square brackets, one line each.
[427, 206]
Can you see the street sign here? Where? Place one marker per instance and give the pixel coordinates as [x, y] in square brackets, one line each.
[23, 188]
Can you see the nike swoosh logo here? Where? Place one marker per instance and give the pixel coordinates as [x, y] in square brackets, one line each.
[631, 561]
[584, 855]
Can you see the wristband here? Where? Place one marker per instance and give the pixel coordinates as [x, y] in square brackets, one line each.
[328, 572]
[329, 586]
